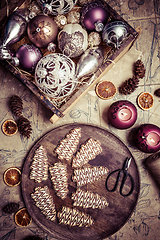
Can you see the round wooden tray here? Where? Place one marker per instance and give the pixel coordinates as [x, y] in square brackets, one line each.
[107, 220]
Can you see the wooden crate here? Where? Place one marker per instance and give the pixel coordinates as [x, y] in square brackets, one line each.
[112, 55]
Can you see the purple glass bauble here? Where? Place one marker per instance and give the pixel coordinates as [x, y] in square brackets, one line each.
[147, 138]
[122, 114]
[28, 56]
[94, 16]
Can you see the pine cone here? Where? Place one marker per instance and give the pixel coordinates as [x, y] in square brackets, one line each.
[11, 208]
[139, 70]
[16, 105]
[24, 126]
[157, 92]
[129, 86]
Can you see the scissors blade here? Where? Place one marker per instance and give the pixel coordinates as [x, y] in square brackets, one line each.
[127, 163]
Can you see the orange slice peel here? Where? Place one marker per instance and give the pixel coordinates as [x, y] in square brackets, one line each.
[12, 176]
[145, 100]
[22, 218]
[105, 89]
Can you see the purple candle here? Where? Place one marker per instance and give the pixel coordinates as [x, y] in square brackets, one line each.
[122, 114]
[147, 138]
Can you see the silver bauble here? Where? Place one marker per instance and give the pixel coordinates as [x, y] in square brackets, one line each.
[114, 34]
[13, 32]
[89, 62]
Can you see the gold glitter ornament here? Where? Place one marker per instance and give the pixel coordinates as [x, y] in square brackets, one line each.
[73, 17]
[60, 21]
[94, 39]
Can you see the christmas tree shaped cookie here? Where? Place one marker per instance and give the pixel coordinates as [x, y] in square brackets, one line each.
[59, 179]
[74, 217]
[88, 151]
[39, 166]
[88, 175]
[88, 199]
[68, 145]
[44, 201]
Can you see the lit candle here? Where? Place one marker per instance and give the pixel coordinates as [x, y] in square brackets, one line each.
[122, 114]
[153, 139]
[125, 114]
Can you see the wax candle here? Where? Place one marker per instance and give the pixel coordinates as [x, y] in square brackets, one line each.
[122, 114]
[147, 138]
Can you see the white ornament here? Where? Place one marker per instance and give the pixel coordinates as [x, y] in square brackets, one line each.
[55, 75]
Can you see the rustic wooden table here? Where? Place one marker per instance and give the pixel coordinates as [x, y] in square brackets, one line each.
[144, 221]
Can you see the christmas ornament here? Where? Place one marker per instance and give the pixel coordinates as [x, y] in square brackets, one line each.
[94, 39]
[87, 199]
[129, 86]
[89, 62]
[60, 21]
[59, 178]
[42, 30]
[56, 7]
[68, 146]
[55, 75]
[94, 16]
[157, 92]
[73, 17]
[114, 33]
[122, 114]
[74, 217]
[24, 126]
[39, 166]
[27, 57]
[73, 40]
[139, 70]
[87, 152]
[86, 175]
[83, 2]
[44, 201]
[10, 208]
[34, 9]
[16, 105]
[147, 138]
[14, 30]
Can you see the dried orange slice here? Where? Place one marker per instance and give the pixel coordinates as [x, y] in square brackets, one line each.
[145, 100]
[9, 127]
[105, 89]
[22, 217]
[12, 176]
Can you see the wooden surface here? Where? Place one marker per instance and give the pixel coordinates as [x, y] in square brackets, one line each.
[107, 220]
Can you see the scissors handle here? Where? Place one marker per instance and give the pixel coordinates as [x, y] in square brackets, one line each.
[126, 174]
[116, 183]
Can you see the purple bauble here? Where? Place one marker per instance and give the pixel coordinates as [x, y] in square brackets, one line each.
[122, 114]
[28, 56]
[94, 16]
[147, 138]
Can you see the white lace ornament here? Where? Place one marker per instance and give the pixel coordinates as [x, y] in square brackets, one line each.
[55, 75]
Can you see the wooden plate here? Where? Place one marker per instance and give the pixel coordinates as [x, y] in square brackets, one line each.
[107, 220]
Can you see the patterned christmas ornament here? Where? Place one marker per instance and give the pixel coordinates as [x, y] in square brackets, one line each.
[24, 126]
[87, 152]
[68, 145]
[56, 7]
[16, 105]
[55, 75]
[44, 201]
[59, 179]
[74, 217]
[88, 199]
[39, 166]
[94, 39]
[73, 17]
[139, 69]
[88, 175]
[157, 92]
[73, 40]
[60, 21]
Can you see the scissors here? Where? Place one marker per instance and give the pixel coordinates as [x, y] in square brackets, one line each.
[123, 171]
